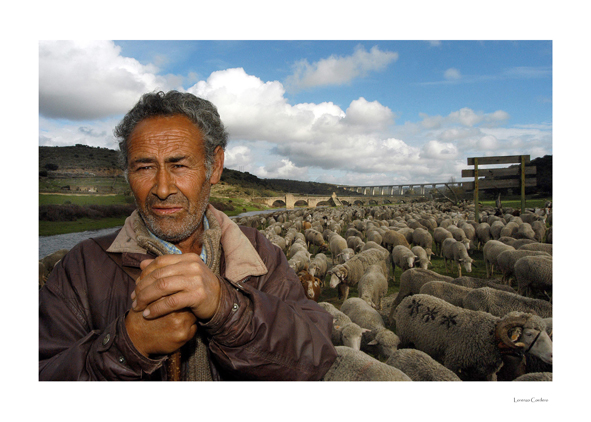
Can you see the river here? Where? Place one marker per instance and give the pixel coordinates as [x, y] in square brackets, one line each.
[50, 244]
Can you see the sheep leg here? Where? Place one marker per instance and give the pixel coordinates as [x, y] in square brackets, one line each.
[459, 269]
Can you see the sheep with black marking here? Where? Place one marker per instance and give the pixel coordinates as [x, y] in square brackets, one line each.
[411, 282]
[470, 343]
[373, 286]
[355, 365]
[348, 274]
[379, 340]
[500, 303]
[419, 366]
[344, 331]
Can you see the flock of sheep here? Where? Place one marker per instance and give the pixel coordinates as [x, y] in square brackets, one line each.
[438, 327]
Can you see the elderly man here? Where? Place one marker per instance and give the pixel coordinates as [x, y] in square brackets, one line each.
[180, 292]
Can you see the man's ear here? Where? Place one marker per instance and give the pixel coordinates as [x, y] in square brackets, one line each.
[218, 166]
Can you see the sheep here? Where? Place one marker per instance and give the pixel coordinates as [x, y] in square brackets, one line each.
[539, 229]
[534, 275]
[411, 282]
[483, 234]
[402, 257]
[373, 286]
[348, 274]
[452, 293]
[439, 235]
[470, 343]
[456, 251]
[319, 266]
[300, 261]
[336, 245]
[506, 261]
[525, 231]
[373, 236]
[311, 285]
[419, 366]
[423, 238]
[495, 229]
[392, 238]
[47, 263]
[355, 365]
[535, 376]
[374, 245]
[355, 243]
[407, 232]
[510, 229]
[491, 250]
[459, 235]
[379, 339]
[344, 331]
[470, 231]
[544, 247]
[297, 246]
[424, 257]
[314, 237]
[345, 255]
[500, 303]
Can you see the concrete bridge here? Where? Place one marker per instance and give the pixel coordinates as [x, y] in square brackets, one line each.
[397, 190]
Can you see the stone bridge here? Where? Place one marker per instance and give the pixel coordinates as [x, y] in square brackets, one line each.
[366, 195]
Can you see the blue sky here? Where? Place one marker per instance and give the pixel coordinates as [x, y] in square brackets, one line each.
[365, 112]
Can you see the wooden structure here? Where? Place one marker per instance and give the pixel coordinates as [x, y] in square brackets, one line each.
[491, 176]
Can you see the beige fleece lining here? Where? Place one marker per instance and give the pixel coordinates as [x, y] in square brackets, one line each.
[242, 259]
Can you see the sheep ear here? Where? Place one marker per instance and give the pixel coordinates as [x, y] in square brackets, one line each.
[373, 342]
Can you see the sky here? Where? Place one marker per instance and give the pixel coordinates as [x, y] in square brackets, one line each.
[350, 112]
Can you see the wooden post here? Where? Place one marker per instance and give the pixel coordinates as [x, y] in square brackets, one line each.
[476, 208]
[522, 184]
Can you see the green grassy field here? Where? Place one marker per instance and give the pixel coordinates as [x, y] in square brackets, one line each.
[53, 199]
[49, 228]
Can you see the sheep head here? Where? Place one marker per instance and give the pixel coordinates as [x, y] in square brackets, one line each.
[525, 332]
[337, 275]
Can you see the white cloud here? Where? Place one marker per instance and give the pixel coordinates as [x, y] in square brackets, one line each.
[439, 151]
[89, 80]
[452, 74]
[339, 70]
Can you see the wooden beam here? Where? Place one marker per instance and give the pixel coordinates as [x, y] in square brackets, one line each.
[498, 184]
[507, 159]
[511, 171]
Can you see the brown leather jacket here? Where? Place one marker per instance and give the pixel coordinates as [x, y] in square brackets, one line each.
[264, 329]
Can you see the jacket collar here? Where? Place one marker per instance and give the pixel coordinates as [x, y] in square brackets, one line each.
[242, 259]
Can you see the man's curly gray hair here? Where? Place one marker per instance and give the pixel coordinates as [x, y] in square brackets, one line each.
[201, 112]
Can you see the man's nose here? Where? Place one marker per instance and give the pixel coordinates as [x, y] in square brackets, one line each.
[164, 186]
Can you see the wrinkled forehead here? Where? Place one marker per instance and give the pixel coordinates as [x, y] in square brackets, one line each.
[165, 135]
